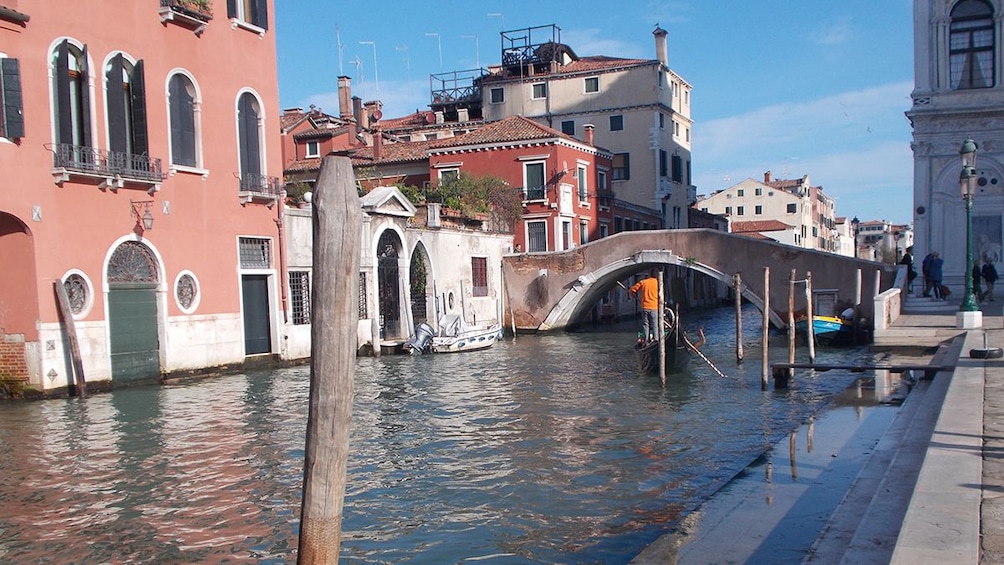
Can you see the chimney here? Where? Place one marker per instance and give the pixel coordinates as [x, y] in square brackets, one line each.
[463, 114]
[661, 49]
[357, 112]
[377, 143]
[589, 133]
[344, 97]
[768, 178]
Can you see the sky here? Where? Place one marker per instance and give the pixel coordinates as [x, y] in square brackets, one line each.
[814, 87]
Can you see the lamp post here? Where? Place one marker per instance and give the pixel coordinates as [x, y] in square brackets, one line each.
[854, 228]
[967, 186]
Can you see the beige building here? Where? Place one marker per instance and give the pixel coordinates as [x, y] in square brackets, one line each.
[794, 202]
[640, 110]
[957, 95]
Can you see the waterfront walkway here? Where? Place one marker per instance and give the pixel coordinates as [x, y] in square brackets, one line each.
[926, 484]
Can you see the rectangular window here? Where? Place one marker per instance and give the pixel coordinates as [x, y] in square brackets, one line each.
[581, 177]
[497, 95]
[663, 164]
[740, 192]
[618, 224]
[533, 180]
[740, 210]
[616, 123]
[568, 127]
[254, 12]
[601, 181]
[313, 149]
[299, 294]
[592, 84]
[677, 168]
[447, 175]
[583, 233]
[11, 107]
[430, 136]
[255, 253]
[637, 224]
[539, 90]
[604, 230]
[758, 191]
[662, 120]
[792, 208]
[622, 166]
[728, 210]
[758, 210]
[479, 276]
[536, 236]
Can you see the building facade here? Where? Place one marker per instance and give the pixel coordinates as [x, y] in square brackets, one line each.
[639, 109]
[957, 95]
[141, 166]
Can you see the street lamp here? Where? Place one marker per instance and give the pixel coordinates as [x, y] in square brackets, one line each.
[967, 186]
[854, 228]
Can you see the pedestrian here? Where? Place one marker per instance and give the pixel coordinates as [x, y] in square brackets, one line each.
[925, 269]
[977, 277]
[910, 272]
[989, 277]
[649, 287]
[934, 270]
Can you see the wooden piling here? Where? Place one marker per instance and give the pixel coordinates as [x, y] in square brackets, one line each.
[765, 360]
[737, 284]
[659, 332]
[810, 331]
[791, 322]
[336, 232]
[70, 329]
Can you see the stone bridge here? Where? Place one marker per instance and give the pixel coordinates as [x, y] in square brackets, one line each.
[548, 291]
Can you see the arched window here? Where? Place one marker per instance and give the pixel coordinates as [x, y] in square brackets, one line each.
[249, 126]
[126, 102]
[971, 45]
[182, 106]
[72, 108]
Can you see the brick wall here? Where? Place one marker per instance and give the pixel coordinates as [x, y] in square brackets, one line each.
[12, 356]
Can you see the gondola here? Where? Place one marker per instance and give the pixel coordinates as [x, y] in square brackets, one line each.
[677, 349]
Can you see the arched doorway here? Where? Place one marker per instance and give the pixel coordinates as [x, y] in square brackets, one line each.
[388, 284]
[134, 345]
[421, 287]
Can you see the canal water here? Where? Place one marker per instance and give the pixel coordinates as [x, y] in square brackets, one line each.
[542, 449]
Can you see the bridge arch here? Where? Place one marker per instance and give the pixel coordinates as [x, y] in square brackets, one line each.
[587, 289]
[549, 291]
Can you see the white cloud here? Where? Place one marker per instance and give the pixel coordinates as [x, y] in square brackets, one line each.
[834, 33]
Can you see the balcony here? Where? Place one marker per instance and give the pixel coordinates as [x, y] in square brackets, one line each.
[535, 193]
[112, 169]
[259, 188]
[191, 14]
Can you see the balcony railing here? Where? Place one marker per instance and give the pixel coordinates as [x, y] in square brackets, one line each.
[534, 193]
[198, 10]
[259, 187]
[114, 166]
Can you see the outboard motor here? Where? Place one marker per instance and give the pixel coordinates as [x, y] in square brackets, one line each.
[422, 340]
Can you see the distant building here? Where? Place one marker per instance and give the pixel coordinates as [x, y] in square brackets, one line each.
[792, 202]
[957, 94]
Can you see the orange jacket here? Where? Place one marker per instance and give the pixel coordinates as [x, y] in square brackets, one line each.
[649, 293]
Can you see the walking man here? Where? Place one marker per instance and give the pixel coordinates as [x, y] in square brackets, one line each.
[925, 269]
[989, 273]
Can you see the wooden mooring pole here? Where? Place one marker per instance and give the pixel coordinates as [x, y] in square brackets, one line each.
[737, 284]
[70, 329]
[809, 329]
[765, 364]
[337, 220]
[659, 333]
[779, 383]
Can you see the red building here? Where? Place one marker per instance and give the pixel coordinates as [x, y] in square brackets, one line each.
[140, 175]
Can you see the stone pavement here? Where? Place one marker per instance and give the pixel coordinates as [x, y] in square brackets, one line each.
[930, 490]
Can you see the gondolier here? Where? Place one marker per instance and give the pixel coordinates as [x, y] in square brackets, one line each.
[649, 293]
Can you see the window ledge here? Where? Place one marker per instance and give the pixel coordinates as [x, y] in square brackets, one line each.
[175, 169]
[247, 196]
[585, 204]
[235, 23]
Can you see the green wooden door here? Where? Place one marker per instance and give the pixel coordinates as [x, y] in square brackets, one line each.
[257, 334]
[132, 323]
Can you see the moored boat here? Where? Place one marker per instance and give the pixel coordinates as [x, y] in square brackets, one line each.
[454, 336]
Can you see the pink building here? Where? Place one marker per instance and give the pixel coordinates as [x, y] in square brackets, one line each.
[141, 156]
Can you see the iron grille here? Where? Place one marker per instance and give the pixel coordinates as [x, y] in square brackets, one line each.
[299, 293]
[255, 253]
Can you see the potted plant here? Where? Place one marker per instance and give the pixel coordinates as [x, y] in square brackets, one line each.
[296, 194]
[201, 9]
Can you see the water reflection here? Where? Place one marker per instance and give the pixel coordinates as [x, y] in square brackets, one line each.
[552, 449]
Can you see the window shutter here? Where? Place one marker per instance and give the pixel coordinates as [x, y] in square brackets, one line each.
[140, 139]
[261, 14]
[231, 8]
[13, 109]
[116, 106]
[248, 129]
[182, 123]
[677, 168]
[85, 101]
[64, 125]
